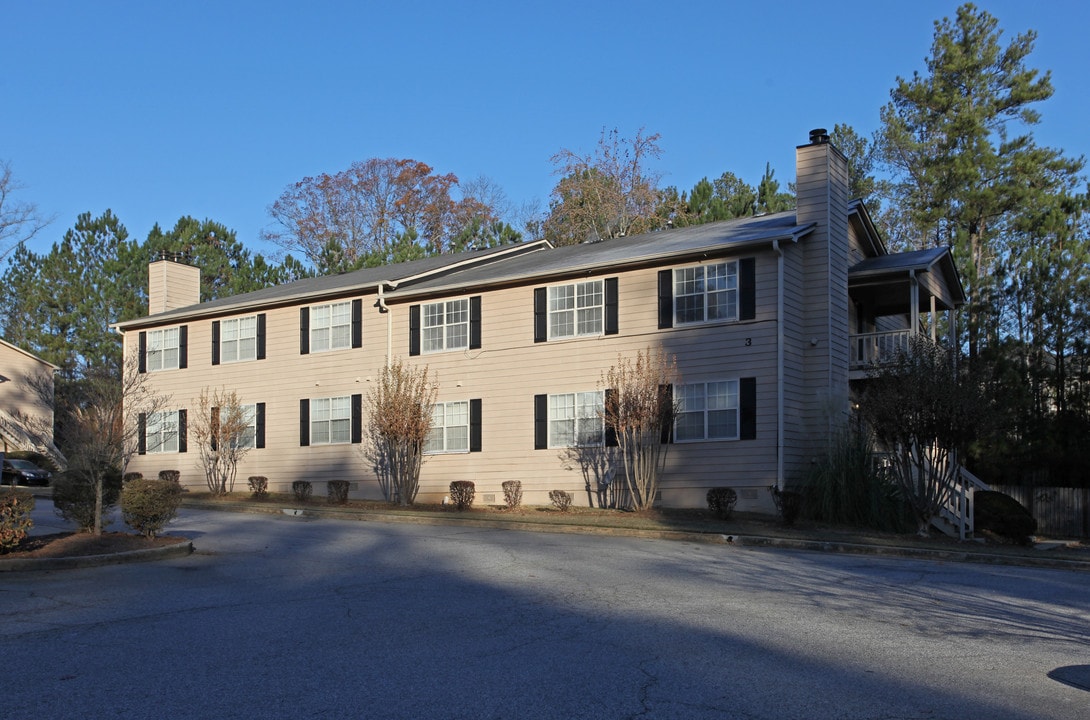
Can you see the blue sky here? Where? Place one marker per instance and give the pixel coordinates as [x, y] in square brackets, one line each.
[157, 110]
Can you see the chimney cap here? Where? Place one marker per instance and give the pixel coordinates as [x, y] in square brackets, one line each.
[819, 136]
[178, 257]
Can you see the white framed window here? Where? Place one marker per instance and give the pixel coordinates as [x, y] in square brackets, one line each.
[331, 326]
[248, 437]
[445, 326]
[330, 420]
[161, 432]
[163, 349]
[576, 309]
[238, 339]
[449, 428]
[575, 419]
[707, 411]
[704, 293]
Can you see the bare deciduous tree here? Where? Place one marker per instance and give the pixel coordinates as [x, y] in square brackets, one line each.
[102, 432]
[640, 411]
[19, 221]
[925, 411]
[609, 194]
[401, 405]
[223, 433]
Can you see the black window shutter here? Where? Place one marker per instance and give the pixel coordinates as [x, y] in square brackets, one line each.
[182, 431]
[357, 323]
[611, 431]
[747, 289]
[666, 299]
[304, 331]
[304, 422]
[475, 425]
[541, 422]
[259, 435]
[747, 410]
[183, 347]
[475, 322]
[142, 349]
[414, 330]
[215, 426]
[611, 327]
[541, 315]
[261, 336]
[357, 418]
[141, 433]
[668, 430]
[215, 342]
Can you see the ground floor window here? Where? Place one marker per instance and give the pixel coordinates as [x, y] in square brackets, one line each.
[707, 411]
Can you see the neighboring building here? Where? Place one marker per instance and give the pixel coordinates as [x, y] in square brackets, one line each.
[769, 318]
[26, 403]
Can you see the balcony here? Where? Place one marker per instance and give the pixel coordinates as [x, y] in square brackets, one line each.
[876, 348]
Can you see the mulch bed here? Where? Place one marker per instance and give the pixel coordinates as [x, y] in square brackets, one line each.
[83, 544]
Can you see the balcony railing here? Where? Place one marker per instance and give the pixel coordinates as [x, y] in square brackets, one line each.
[877, 347]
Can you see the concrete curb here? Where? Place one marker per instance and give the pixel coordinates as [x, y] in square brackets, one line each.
[755, 541]
[181, 549]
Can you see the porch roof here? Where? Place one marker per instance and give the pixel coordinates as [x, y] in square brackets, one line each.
[895, 269]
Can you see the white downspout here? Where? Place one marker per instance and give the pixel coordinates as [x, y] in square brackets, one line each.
[779, 364]
[383, 309]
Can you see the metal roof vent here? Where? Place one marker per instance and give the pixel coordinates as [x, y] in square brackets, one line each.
[819, 136]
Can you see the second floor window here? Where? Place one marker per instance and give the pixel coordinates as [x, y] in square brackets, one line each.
[238, 339]
[330, 326]
[445, 326]
[576, 309]
[705, 293]
[163, 349]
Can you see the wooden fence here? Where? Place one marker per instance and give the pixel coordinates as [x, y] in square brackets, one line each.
[1060, 511]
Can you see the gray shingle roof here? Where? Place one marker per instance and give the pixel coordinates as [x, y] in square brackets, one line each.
[509, 263]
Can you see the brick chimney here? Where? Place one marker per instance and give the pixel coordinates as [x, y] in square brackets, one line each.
[172, 284]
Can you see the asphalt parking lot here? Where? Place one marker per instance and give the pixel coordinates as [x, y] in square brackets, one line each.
[291, 617]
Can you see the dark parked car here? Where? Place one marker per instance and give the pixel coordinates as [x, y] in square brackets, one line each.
[24, 472]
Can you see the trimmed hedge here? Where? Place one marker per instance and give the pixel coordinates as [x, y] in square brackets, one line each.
[148, 505]
[512, 493]
[15, 520]
[721, 501]
[302, 490]
[560, 499]
[259, 486]
[462, 493]
[337, 492]
[1003, 515]
[74, 498]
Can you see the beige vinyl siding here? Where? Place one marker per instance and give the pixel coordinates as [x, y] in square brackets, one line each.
[172, 285]
[505, 374]
[26, 388]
